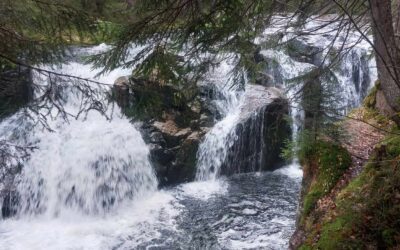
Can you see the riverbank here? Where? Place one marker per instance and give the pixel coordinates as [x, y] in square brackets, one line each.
[351, 190]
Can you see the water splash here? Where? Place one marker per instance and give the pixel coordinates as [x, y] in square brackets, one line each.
[214, 149]
[89, 164]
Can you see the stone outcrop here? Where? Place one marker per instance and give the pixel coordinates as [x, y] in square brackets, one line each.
[172, 150]
[301, 51]
[261, 132]
[172, 122]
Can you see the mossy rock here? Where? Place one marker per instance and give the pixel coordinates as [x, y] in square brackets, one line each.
[146, 100]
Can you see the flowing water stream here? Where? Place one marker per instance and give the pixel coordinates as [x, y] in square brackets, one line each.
[90, 184]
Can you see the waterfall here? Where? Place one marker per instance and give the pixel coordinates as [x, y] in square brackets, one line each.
[214, 149]
[357, 75]
[353, 79]
[88, 165]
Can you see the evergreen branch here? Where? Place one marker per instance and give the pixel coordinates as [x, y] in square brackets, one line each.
[52, 72]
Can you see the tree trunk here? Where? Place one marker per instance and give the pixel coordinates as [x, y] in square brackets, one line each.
[387, 55]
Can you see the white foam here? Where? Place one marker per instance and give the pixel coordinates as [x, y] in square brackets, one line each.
[204, 189]
[232, 239]
[248, 211]
[214, 148]
[89, 164]
[129, 226]
[293, 171]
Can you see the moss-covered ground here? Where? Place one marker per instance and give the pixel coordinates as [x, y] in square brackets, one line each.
[366, 212]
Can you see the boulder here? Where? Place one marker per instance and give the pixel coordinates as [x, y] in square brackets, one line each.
[301, 51]
[172, 122]
[261, 132]
[121, 91]
[173, 150]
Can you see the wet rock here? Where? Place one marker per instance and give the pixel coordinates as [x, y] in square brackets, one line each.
[205, 121]
[304, 52]
[122, 82]
[261, 132]
[173, 150]
[172, 122]
[265, 79]
[183, 168]
[208, 95]
[121, 91]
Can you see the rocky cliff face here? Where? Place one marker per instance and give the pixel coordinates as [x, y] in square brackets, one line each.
[172, 121]
[173, 124]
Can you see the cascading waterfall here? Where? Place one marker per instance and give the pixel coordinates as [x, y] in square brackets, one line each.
[354, 77]
[89, 164]
[214, 149]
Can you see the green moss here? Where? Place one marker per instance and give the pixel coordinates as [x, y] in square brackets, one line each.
[393, 144]
[388, 236]
[305, 247]
[310, 200]
[367, 210]
[370, 100]
[331, 161]
[333, 235]
[146, 107]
